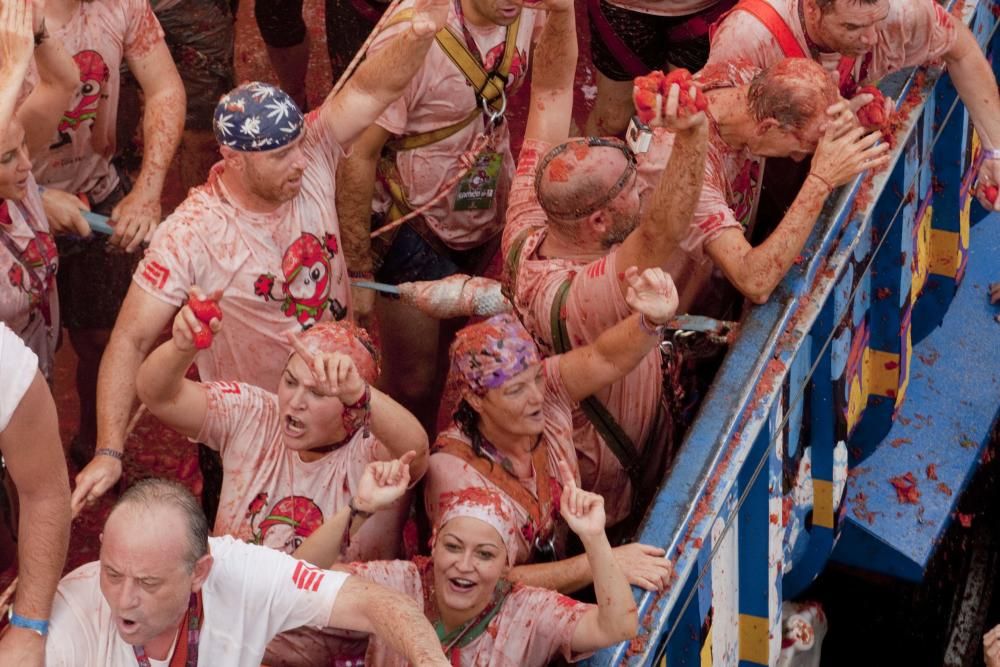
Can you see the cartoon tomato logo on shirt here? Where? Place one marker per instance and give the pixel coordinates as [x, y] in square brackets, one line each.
[94, 75]
[287, 524]
[517, 64]
[305, 290]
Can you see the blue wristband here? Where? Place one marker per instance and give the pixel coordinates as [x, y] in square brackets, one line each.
[41, 627]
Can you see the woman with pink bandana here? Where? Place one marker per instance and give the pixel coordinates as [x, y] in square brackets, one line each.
[294, 459]
[514, 424]
[482, 618]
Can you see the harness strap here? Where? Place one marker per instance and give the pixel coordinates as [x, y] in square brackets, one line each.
[611, 432]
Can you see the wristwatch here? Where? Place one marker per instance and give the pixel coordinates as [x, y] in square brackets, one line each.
[39, 627]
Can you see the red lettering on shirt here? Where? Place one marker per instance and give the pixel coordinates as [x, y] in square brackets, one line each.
[307, 578]
[596, 269]
[229, 388]
[156, 274]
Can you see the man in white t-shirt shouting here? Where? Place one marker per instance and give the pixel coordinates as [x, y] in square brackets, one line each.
[164, 593]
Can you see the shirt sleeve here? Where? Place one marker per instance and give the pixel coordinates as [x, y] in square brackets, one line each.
[167, 269]
[927, 31]
[321, 145]
[72, 640]
[523, 209]
[18, 366]
[237, 416]
[142, 29]
[712, 214]
[294, 593]
[595, 302]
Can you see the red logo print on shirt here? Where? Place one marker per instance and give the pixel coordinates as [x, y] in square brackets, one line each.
[286, 524]
[94, 74]
[307, 577]
[517, 63]
[156, 274]
[229, 388]
[305, 291]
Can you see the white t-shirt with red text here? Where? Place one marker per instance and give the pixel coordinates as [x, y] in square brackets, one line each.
[251, 595]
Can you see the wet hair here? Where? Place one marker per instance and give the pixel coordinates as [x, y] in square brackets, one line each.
[826, 6]
[467, 420]
[793, 91]
[157, 492]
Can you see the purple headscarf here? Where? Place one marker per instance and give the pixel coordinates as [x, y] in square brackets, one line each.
[486, 355]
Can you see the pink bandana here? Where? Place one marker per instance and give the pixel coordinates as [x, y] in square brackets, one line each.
[347, 338]
[486, 505]
[486, 355]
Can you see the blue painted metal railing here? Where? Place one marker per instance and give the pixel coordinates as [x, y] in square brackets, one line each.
[825, 361]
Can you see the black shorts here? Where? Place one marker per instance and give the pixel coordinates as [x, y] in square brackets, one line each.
[625, 44]
[93, 277]
[410, 257]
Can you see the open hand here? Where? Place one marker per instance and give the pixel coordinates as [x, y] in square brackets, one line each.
[17, 41]
[845, 150]
[383, 483]
[651, 293]
[645, 566]
[334, 373]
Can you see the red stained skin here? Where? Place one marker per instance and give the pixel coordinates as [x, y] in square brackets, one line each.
[560, 170]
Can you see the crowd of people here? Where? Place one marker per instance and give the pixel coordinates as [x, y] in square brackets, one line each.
[542, 328]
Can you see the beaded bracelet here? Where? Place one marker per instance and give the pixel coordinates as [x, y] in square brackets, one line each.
[107, 451]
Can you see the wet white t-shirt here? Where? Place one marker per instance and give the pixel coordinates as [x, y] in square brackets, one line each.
[251, 594]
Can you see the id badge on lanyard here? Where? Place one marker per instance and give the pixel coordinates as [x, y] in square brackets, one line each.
[477, 189]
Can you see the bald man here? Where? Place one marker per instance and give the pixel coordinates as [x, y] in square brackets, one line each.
[576, 221]
[165, 591]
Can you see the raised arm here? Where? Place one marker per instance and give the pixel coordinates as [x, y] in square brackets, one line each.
[383, 483]
[32, 451]
[844, 152]
[58, 80]
[615, 617]
[138, 214]
[140, 321]
[178, 402]
[367, 607]
[383, 77]
[618, 350]
[976, 85]
[667, 215]
[16, 43]
[550, 110]
[355, 189]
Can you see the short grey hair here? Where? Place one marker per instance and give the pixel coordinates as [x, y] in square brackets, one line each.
[158, 492]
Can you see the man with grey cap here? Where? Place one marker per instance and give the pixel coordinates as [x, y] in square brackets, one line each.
[263, 232]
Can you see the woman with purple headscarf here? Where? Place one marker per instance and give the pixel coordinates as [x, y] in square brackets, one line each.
[514, 425]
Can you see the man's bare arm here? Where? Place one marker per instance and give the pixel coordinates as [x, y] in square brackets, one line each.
[552, 76]
[355, 188]
[140, 321]
[384, 75]
[32, 451]
[367, 607]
